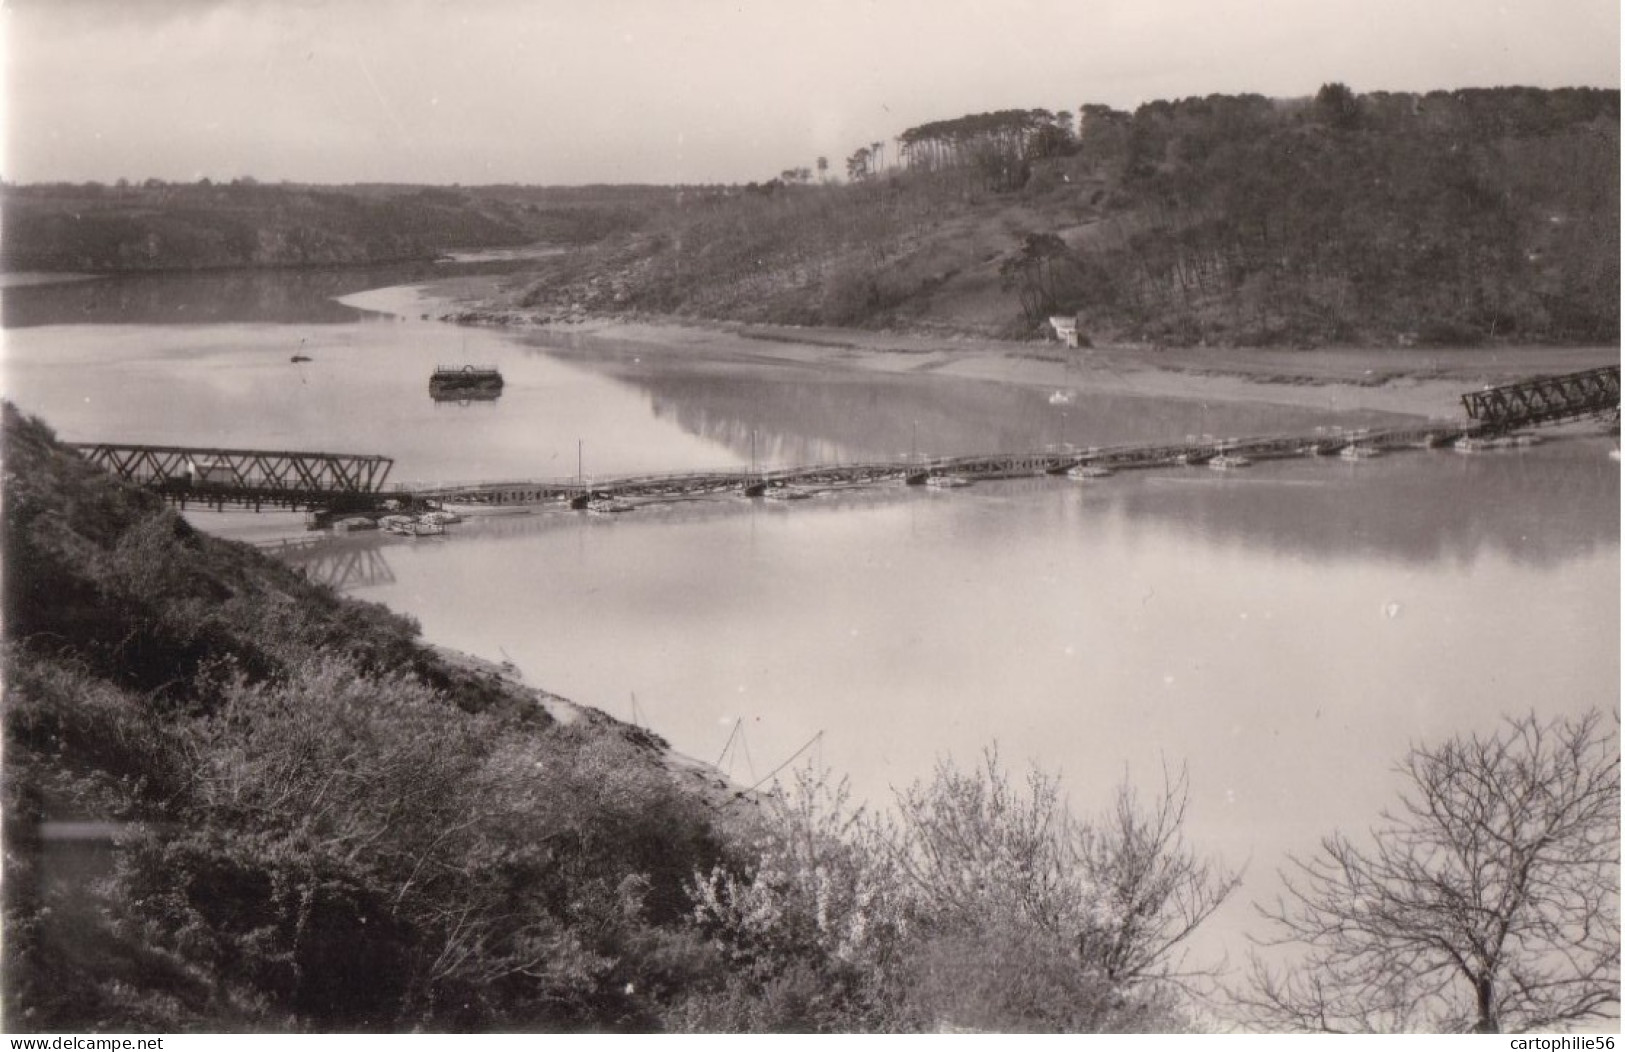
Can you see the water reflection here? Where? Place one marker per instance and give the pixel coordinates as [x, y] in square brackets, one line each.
[463, 398]
[1557, 504]
[808, 415]
[362, 392]
[1539, 507]
[1091, 629]
[303, 296]
[347, 564]
[148, 299]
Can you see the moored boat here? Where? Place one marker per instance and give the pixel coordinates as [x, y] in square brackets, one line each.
[1227, 461]
[1359, 452]
[946, 481]
[1084, 472]
[1480, 443]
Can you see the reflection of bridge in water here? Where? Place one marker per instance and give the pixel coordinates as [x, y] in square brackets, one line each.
[341, 482]
[354, 562]
[1306, 511]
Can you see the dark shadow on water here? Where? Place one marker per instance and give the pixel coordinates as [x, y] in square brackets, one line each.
[216, 297]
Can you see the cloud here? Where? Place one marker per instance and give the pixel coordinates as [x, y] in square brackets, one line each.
[693, 90]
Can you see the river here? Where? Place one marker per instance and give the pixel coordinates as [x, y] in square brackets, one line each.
[1281, 634]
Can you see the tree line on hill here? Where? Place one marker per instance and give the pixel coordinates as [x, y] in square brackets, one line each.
[1451, 217]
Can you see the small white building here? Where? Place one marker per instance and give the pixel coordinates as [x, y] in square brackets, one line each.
[1066, 328]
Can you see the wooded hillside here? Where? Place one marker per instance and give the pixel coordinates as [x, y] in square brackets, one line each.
[157, 226]
[1446, 218]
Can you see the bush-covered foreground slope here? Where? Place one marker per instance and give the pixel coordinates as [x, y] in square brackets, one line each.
[313, 820]
[236, 801]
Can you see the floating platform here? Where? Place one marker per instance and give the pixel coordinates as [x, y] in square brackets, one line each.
[465, 383]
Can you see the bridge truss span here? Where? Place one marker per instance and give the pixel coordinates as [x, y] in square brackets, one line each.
[1545, 399]
[244, 476]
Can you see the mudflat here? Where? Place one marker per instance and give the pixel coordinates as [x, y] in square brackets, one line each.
[1420, 381]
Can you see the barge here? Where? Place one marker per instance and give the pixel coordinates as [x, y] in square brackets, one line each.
[459, 383]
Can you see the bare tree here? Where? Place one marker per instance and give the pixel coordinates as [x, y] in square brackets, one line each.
[981, 902]
[1126, 891]
[1487, 901]
[1156, 890]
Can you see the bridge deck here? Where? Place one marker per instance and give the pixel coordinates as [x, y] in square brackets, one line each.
[917, 470]
[338, 481]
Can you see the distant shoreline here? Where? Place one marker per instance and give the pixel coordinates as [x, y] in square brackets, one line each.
[16, 279]
[1423, 382]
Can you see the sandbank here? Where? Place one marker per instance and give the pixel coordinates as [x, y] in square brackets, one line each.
[1424, 382]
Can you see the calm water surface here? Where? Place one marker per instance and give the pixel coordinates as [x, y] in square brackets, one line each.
[1284, 633]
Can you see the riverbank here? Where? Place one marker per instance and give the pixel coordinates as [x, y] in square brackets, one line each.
[1423, 382]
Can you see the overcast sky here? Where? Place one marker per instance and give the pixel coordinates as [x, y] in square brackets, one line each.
[667, 91]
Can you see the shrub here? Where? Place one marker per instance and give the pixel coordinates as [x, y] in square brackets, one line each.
[979, 905]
